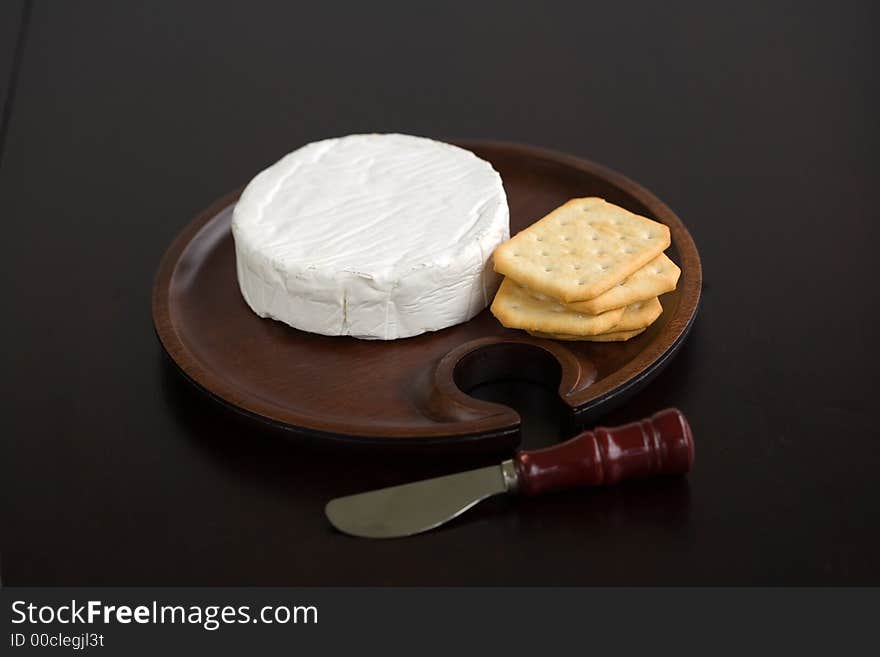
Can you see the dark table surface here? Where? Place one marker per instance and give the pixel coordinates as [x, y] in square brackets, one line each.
[756, 123]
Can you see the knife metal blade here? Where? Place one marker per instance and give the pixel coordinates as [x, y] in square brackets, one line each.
[419, 506]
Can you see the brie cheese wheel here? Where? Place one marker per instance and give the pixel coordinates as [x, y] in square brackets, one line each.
[378, 236]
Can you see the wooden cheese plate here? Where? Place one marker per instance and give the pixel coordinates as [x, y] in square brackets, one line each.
[412, 392]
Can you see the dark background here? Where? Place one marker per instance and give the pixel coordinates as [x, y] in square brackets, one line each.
[756, 122]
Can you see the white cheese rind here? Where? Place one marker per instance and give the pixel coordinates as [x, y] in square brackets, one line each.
[373, 236]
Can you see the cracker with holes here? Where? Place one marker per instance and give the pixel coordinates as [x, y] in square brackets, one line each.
[611, 336]
[581, 250]
[657, 277]
[639, 315]
[516, 308]
[636, 318]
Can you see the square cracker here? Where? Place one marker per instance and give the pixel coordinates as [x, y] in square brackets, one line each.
[581, 249]
[657, 277]
[639, 315]
[516, 308]
[636, 318]
[611, 336]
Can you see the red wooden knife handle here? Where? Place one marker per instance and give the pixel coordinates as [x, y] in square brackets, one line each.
[661, 444]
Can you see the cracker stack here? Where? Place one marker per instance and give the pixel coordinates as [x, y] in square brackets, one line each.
[589, 270]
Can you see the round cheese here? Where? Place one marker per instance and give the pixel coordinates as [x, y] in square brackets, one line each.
[373, 236]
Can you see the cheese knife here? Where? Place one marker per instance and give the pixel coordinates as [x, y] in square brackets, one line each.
[659, 445]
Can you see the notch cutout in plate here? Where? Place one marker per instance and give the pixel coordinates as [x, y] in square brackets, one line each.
[524, 377]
